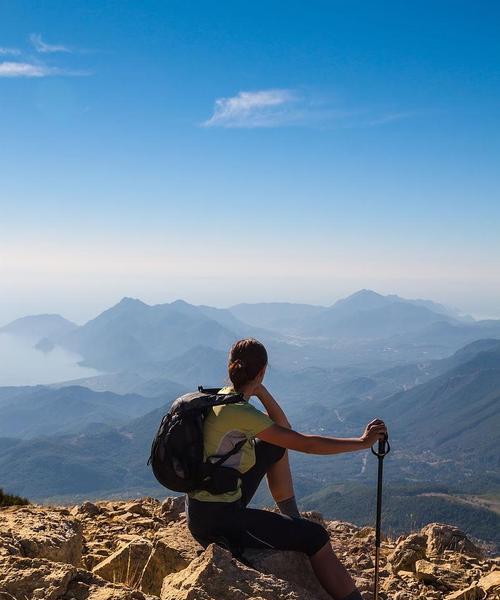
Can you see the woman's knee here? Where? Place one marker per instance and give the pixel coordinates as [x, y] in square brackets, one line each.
[315, 537]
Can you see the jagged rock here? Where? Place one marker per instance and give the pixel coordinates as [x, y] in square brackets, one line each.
[293, 567]
[473, 592]
[89, 586]
[126, 564]
[40, 579]
[87, 508]
[162, 561]
[34, 578]
[441, 537]
[42, 532]
[172, 507]
[167, 546]
[491, 583]
[215, 575]
[177, 535]
[141, 564]
[137, 508]
[437, 574]
[407, 552]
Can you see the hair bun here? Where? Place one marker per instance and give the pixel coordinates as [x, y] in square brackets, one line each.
[247, 358]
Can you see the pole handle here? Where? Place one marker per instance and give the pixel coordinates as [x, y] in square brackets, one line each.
[383, 447]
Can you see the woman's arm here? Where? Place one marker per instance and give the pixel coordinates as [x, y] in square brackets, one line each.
[273, 409]
[317, 444]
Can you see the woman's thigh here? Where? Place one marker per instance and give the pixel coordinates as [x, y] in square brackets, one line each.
[254, 528]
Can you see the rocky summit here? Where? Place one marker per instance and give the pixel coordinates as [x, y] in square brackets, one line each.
[142, 550]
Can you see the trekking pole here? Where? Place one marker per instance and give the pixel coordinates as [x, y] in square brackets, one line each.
[383, 449]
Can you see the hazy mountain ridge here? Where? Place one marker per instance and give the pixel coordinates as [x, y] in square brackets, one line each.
[40, 326]
[43, 411]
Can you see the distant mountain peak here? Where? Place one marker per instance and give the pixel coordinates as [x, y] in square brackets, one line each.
[127, 300]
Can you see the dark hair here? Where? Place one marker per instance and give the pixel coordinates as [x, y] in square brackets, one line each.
[247, 358]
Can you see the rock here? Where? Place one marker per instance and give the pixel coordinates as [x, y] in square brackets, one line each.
[86, 509]
[172, 507]
[473, 592]
[215, 575]
[163, 561]
[313, 515]
[141, 564]
[491, 583]
[441, 537]
[126, 564]
[42, 532]
[293, 567]
[407, 552]
[34, 578]
[137, 508]
[88, 586]
[443, 576]
[177, 535]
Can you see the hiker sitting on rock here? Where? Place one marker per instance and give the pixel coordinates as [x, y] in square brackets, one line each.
[225, 518]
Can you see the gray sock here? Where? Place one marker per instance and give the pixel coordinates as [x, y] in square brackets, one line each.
[354, 596]
[288, 507]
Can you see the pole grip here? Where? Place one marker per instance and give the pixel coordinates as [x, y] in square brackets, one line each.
[383, 447]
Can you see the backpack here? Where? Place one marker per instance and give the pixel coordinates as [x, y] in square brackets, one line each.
[177, 456]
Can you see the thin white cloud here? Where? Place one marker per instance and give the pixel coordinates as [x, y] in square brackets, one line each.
[44, 48]
[9, 51]
[287, 107]
[263, 108]
[23, 69]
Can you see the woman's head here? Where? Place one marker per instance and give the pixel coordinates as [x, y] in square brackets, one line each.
[247, 359]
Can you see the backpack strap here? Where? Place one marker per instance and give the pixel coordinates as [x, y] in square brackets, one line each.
[224, 457]
[203, 390]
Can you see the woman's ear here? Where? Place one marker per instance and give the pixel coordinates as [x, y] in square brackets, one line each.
[262, 372]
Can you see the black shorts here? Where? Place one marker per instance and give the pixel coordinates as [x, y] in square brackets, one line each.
[233, 525]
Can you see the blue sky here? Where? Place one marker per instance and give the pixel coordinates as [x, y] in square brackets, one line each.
[233, 151]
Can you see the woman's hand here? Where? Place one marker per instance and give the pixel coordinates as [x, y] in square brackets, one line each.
[259, 390]
[375, 430]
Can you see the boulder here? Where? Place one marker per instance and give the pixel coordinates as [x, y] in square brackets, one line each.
[89, 586]
[491, 583]
[407, 552]
[438, 575]
[141, 564]
[126, 564]
[172, 508]
[216, 575]
[293, 567]
[86, 509]
[42, 532]
[473, 592]
[441, 537]
[33, 578]
[162, 561]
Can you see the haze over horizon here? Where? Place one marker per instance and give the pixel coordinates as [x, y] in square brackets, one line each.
[225, 153]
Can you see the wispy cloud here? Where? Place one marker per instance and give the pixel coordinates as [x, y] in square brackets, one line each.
[291, 107]
[263, 108]
[24, 69]
[9, 51]
[44, 48]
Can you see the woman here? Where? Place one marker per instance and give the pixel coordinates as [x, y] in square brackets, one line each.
[225, 518]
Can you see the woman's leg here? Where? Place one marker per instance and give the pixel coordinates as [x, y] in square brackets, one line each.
[254, 528]
[266, 456]
[332, 574]
[279, 479]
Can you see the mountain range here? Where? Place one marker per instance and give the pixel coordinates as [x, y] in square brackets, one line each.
[430, 372]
